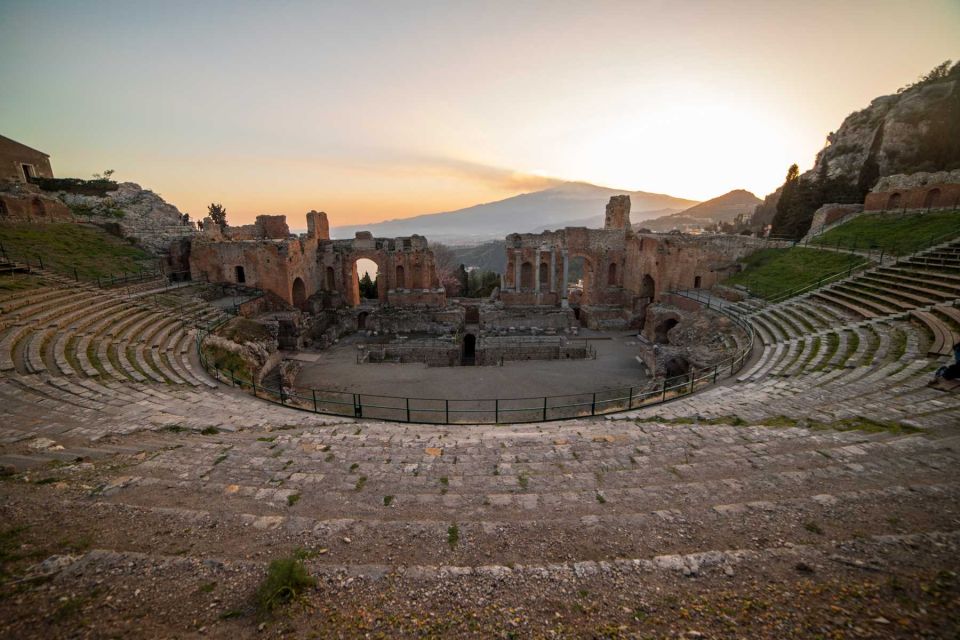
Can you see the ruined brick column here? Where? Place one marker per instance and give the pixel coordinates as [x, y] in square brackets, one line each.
[566, 274]
[517, 259]
[553, 269]
[536, 273]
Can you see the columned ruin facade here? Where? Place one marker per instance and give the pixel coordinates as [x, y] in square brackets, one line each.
[311, 266]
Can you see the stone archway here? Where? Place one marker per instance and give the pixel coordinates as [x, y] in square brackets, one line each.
[612, 275]
[648, 287]
[37, 208]
[239, 274]
[676, 367]
[932, 199]
[362, 320]
[662, 330]
[400, 280]
[894, 201]
[299, 294]
[330, 277]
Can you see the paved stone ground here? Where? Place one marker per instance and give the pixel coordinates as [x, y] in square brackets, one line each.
[153, 509]
[616, 366]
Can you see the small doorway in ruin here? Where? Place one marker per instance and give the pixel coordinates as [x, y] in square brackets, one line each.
[362, 320]
[662, 330]
[299, 294]
[240, 275]
[932, 199]
[696, 282]
[469, 356]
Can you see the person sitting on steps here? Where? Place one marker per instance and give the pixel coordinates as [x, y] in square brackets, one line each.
[951, 371]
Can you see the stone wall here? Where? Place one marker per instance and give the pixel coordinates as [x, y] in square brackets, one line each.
[13, 155]
[940, 190]
[830, 214]
[623, 271]
[312, 271]
[26, 203]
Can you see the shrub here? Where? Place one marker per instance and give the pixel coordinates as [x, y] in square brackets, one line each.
[286, 579]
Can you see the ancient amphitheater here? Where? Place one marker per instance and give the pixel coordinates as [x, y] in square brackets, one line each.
[815, 494]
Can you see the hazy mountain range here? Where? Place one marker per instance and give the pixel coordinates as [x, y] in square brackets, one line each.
[565, 205]
[723, 208]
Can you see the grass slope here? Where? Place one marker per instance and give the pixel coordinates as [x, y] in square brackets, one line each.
[772, 271]
[897, 234]
[65, 246]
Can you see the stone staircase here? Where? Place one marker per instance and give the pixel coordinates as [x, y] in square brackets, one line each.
[606, 527]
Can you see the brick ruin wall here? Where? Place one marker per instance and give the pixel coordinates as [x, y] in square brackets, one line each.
[311, 271]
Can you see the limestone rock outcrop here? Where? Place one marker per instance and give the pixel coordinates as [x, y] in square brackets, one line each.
[892, 135]
[139, 213]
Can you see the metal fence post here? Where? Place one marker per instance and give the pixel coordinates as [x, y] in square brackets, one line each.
[446, 411]
[314, 392]
[408, 409]
[496, 411]
[544, 408]
[630, 400]
[593, 404]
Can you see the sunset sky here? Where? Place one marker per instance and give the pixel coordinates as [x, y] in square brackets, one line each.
[372, 111]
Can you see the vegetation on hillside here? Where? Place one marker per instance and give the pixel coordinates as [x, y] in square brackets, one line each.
[937, 148]
[895, 234]
[769, 272]
[64, 247]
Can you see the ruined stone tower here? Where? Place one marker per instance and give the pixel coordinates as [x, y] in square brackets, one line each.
[618, 213]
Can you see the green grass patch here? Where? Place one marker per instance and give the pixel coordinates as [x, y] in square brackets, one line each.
[894, 233]
[227, 361]
[286, 580]
[769, 272]
[209, 431]
[241, 330]
[293, 499]
[453, 535]
[361, 481]
[63, 247]
[387, 501]
[20, 282]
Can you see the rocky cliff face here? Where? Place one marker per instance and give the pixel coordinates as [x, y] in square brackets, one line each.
[901, 133]
[139, 213]
[914, 130]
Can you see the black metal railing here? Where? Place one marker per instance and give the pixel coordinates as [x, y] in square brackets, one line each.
[487, 410]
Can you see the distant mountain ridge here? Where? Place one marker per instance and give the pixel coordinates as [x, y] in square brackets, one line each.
[554, 208]
[723, 208]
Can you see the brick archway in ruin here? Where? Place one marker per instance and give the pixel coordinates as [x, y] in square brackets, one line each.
[272, 259]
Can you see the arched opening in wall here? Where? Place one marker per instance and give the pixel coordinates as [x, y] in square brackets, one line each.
[3, 208]
[299, 294]
[526, 276]
[662, 329]
[894, 201]
[648, 287]
[696, 282]
[365, 279]
[932, 199]
[239, 275]
[401, 283]
[362, 320]
[675, 369]
[329, 279]
[544, 276]
[612, 275]
[469, 355]
[37, 208]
